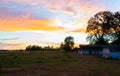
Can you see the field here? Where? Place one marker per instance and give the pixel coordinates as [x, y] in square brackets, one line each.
[54, 63]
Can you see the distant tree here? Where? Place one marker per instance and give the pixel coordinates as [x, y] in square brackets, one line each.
[68, 43]
[103, 28]
[33, 48]
[48, 48]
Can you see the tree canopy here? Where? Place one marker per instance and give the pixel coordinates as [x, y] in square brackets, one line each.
[104, 28]
[68, 43]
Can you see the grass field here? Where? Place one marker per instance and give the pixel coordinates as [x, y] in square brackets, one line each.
[54, 63]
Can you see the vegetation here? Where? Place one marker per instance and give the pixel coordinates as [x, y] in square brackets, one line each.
[39, 48]
[104, 28]
[68, 44]
[53, 63]
[34, 47]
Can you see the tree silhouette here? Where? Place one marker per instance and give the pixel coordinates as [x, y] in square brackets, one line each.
[103, 28]
[33, 48]
[68, 43]
[117, 16]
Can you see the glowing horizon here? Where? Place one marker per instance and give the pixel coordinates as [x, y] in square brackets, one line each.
[47, 22]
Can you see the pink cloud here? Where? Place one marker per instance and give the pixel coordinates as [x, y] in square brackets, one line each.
[72, 6]
[75, 6]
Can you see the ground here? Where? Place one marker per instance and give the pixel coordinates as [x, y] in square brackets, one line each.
[54, 63]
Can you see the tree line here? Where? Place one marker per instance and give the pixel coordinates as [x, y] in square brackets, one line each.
[39, 48]
[67, 45]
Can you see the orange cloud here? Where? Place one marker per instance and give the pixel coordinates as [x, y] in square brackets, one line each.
[10, 45]
[24, 25]
[81, 30]
[78, 9]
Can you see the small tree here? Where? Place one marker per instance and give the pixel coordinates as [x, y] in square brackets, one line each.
[68, 43]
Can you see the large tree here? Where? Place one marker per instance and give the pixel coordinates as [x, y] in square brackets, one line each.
[68, 43]
[104, 28]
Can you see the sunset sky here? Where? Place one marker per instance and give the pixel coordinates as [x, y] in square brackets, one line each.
[47, 22]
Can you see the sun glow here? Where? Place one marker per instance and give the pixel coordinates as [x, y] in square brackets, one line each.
[46, 22]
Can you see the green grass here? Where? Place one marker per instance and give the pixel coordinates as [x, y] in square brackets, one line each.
[52, 63]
